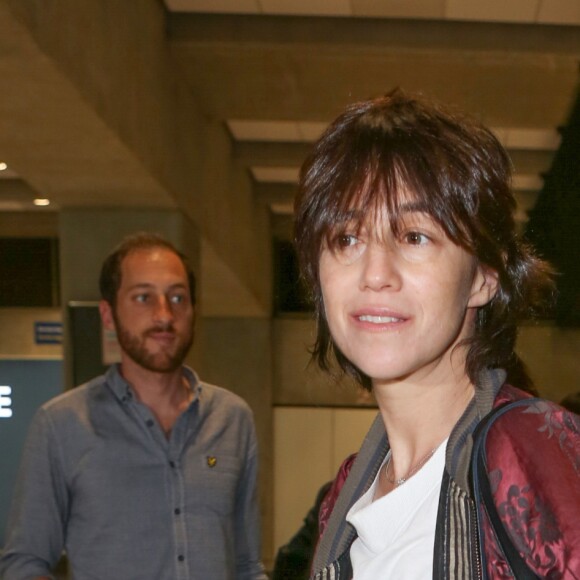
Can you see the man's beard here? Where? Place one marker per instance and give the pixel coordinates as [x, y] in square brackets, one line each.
[161, 362]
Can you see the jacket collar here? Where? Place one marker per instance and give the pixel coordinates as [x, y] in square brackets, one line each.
[339, 534]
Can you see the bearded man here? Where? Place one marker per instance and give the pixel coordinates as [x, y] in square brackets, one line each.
[145, 472]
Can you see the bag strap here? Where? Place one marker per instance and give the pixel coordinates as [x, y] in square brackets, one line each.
[483, 494]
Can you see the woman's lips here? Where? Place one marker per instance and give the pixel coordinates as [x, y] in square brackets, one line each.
[374, 318]
[378, 319]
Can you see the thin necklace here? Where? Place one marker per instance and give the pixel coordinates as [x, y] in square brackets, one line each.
[399, 481]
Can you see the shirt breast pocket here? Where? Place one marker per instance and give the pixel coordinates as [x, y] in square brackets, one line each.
[214, 483]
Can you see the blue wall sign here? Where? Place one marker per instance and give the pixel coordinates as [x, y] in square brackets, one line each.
[48, 332]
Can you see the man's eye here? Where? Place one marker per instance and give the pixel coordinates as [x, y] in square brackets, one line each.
[141, 297]
[177, 299]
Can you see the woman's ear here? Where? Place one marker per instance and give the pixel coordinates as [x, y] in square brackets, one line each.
[484, 287]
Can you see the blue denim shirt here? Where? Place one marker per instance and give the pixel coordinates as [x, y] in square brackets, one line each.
[100, 480]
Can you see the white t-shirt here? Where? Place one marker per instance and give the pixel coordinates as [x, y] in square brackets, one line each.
[396, 533]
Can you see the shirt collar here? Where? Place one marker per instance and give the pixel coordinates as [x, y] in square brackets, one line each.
[124, 393]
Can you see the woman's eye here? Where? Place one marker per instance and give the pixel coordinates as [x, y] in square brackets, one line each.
[416, 238]
[346, 241]
[347, 248]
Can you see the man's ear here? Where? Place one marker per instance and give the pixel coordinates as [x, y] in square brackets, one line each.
[106, 311]
[484, 287]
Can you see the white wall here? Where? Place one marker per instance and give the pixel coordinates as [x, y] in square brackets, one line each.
[309, 446]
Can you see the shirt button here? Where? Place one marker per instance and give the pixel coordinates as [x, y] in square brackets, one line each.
[176, 511]
[181, 558]
[150, 423]
[172, 464]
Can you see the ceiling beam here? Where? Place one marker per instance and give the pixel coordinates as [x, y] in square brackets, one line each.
[276, 31]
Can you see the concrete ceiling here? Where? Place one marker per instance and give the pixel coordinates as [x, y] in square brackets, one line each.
[275, 72]
[528, 11]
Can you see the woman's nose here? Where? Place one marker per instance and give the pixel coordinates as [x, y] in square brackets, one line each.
[380, 268]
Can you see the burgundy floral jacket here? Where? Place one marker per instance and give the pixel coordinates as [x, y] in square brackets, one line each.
[533, 458]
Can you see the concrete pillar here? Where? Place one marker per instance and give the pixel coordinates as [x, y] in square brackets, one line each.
[236, 354]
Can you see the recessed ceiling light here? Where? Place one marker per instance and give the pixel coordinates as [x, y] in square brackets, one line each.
[41, 201]
[3, 166]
